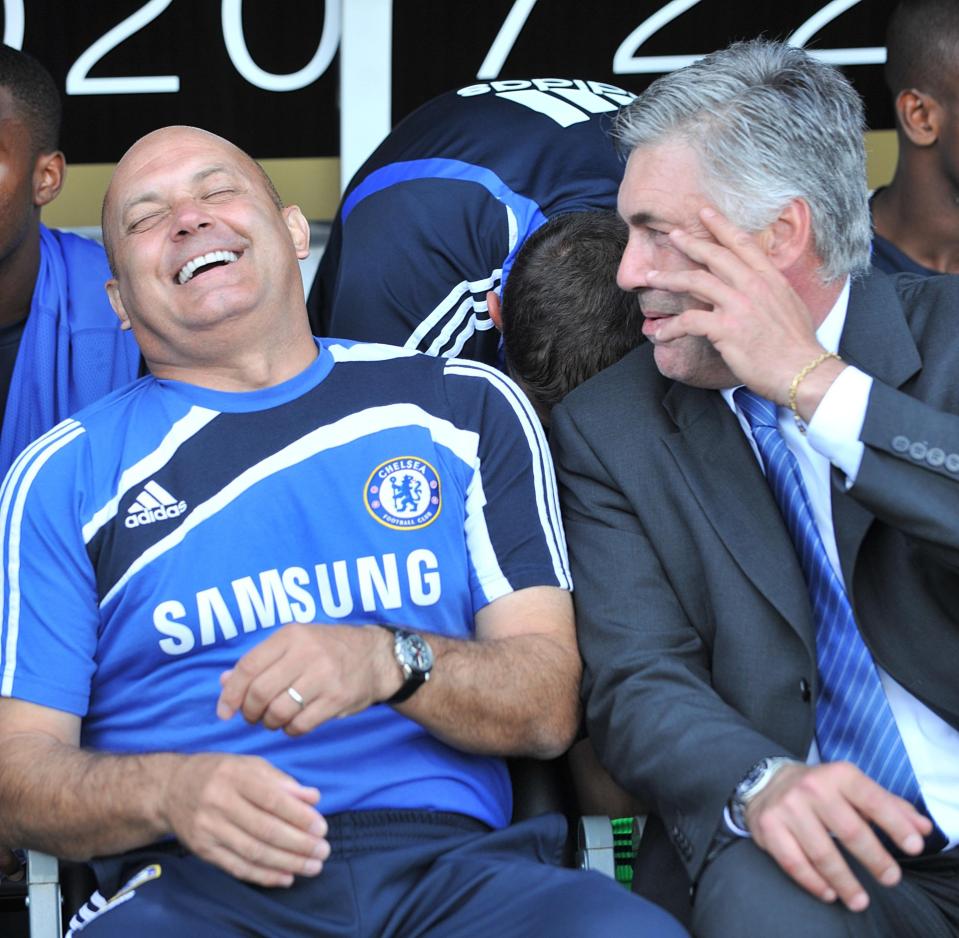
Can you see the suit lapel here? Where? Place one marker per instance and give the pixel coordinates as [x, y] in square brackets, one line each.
[876, 339]
[718, 464]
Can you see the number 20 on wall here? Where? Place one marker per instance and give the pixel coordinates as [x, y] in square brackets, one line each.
[79, 80]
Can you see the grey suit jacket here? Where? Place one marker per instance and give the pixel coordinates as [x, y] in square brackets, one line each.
[693, 615]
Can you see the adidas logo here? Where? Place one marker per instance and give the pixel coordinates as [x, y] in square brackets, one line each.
[566, 101]
[154, 503]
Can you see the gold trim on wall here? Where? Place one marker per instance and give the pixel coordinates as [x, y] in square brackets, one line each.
[881, 154]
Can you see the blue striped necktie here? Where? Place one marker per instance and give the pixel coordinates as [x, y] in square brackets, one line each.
[853, 719]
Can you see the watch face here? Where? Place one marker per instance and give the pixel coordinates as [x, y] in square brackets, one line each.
[759, 776]
[416, 654]
[753, 776]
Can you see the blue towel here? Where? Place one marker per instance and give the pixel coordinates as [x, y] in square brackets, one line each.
[72, 351]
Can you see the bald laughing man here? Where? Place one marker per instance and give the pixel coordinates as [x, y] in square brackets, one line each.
[278, 570]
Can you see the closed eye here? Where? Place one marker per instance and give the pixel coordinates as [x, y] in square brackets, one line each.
[144, 222]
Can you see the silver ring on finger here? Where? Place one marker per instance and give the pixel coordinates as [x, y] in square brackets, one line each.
[296, 697]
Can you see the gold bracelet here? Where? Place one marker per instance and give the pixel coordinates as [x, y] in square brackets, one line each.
[794, 387]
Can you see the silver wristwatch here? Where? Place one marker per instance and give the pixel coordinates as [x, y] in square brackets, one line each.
[415, 658]
[751, 784]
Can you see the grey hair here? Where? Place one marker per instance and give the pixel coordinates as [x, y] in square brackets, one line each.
[768, 124]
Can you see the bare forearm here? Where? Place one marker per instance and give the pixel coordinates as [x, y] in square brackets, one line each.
[77, 804]
[511, 690]
[238, 812]
[510, 696]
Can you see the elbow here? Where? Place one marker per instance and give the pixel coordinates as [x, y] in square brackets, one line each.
[551, 735]
[560, 716]
[552, 747]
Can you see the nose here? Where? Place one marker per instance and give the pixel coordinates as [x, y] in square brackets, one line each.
[633, 265]
[189, 217]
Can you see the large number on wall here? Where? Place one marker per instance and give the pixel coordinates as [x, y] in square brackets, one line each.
[627, 62]
[79, 80]
[232, 16]
[13, 23]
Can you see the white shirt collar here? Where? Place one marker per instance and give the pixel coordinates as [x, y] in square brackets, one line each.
[830, 331]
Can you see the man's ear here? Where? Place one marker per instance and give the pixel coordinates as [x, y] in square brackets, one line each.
[113, 294]
[299, 229]
[49, 172]
[790, 235]
[920, 116]
[495, 309]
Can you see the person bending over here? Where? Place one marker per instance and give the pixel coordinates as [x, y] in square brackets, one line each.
[436, 216]
[563, 316]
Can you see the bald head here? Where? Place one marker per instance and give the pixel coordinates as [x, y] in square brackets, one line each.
[205, 258]
[154, 146]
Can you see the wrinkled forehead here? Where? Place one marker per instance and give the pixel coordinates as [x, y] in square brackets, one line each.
[661, 174]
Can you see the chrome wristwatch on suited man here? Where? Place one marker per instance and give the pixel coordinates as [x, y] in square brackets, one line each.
[752, 783]
[415, 658]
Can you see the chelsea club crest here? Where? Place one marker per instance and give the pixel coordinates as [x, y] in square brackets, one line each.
[404, 493]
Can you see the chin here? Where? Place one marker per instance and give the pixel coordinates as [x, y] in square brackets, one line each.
[693, 361]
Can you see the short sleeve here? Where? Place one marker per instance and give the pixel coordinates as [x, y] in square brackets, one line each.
[513, 529]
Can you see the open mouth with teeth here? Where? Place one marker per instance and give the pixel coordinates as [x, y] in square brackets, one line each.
[203, 263]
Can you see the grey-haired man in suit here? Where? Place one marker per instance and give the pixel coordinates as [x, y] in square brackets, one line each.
[772, 666]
